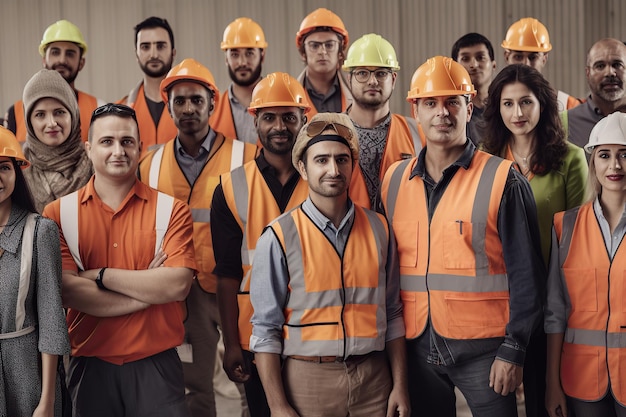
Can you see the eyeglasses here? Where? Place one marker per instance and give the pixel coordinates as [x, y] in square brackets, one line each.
[318, 126]
[363, 75]
[329, 46]
[114, 109]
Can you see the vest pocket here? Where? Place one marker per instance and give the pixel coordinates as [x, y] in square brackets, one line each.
[458, 249]
[582, 287]
[407, 236]
[485, 316]
[409, 311]
[580, 368]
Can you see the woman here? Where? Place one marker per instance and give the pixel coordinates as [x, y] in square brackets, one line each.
[33, 332]
[585, 314]
[522, 124]
[59, 163]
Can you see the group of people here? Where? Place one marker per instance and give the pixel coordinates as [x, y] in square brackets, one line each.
[355, 261]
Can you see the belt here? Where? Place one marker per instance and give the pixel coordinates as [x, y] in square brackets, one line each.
[332, 359]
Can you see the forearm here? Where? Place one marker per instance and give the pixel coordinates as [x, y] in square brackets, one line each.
[227, 289]
[268, 366]
[553, 359]
[48, 379]
[396, 353]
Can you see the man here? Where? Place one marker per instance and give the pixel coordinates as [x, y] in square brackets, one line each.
[244, 46]
[527, 42]
[154, 48]
[325, 292]
[322, 42]
[384, 138]
[247, 199]
[188, 167]
[475, 53]
[63, 49]
[605, 71]
[123, 314]
[462, 218]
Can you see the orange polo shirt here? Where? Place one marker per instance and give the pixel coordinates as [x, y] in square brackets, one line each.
[125, 239]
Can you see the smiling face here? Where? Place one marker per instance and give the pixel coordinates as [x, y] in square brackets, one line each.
[328, 169]
[278, 127]
[610, 162]
[51, 121]
[520, 109]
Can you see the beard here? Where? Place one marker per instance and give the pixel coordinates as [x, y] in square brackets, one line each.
[278, 150]
[254, 76]
[371, 103]
[158, 73]
[72, 74]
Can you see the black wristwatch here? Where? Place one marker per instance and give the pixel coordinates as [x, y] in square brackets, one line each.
[99, 282]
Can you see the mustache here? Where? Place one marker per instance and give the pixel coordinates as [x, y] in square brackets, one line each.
[280, 133]
[612, 80]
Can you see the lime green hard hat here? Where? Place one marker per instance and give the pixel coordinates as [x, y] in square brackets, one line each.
[371, 50]
[62, 31]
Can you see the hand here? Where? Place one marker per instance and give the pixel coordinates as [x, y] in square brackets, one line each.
[287, 411]
[234, 365]
[44, 411]
[158, 260]
[398, 403]
[504, 377]
[556, 403]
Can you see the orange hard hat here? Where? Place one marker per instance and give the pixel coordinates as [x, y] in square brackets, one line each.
[189, 70]
[278, 89]
[440, 76]
[243, 33]
[10, 147]
[529, 35]
[321, 18]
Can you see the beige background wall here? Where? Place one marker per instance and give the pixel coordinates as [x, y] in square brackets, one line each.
[417, 28]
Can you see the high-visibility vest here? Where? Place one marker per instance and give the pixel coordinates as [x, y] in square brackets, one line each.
[403, 142]
[86, 105]
[346, 95]
[28, 242]
[253, 206]
[222, 118]
[344, 313]
[451, 267]
[160, 170]
[594, 345]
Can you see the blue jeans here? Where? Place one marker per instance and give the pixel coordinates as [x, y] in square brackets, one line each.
[431, 387]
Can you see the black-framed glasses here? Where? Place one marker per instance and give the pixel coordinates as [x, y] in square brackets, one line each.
[318, 126]
[114, 109]
[329, 46]
[363, 75]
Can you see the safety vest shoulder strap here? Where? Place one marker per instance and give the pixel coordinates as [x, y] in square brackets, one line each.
[164, 208]
[155, 167]
[395, 181]
[132, 95]
[564, 230]
[415, 133]
[237, 155]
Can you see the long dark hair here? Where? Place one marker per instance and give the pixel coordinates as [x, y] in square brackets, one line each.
[550, 146]
[21, 193]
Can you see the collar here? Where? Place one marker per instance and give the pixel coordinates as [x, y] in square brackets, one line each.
[309, 87]
[11, 236]
[464, 160]
[321, 221]
[138, 189]
[206, 144]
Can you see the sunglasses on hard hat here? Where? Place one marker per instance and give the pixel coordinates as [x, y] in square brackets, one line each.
[318, 126]
[114, 109]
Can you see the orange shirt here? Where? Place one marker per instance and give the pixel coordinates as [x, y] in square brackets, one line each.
[125, 239]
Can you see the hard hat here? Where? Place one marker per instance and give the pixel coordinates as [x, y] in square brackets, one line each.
[371, 50]
[243, 33]
[340, 122]
[278, 89]
[440, 76]
[62, 31]
[191, 70]
[529, 35]
[10, 147]
[321, 18]
[608, 131]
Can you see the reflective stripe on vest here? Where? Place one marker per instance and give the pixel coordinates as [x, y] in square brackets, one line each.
[344, 314]
[28, 242]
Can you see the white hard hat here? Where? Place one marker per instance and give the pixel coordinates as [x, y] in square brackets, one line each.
[609, 131]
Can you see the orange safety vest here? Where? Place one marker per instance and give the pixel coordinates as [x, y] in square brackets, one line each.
[403, 142]
[86, 105]
[346, 95]
[594, 346]
[222, 118]
[253, 206]
[167, 177]
[149, 133]
[344, 313]
[451, 267]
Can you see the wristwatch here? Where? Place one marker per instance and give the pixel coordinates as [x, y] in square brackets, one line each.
[99, 282]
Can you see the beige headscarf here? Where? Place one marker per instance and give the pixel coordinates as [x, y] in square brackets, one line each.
[55, 170]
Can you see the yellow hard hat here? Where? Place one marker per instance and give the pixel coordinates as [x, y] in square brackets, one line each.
[10, 147]
[278, 89]
[371, 50]
[440, 76]
[528, 35]
[243, 33]
[321, 18]
[191, 70]
[62, 31]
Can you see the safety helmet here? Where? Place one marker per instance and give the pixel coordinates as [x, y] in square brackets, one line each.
[10, 147]
[278, 89]
[190, 70]
[62, 31]
[321, 18]
[371, 50]
[609, 131]
[243, 33]
[529, 35]
[440, 76]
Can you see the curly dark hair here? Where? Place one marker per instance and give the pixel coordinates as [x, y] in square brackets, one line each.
[550, 146]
